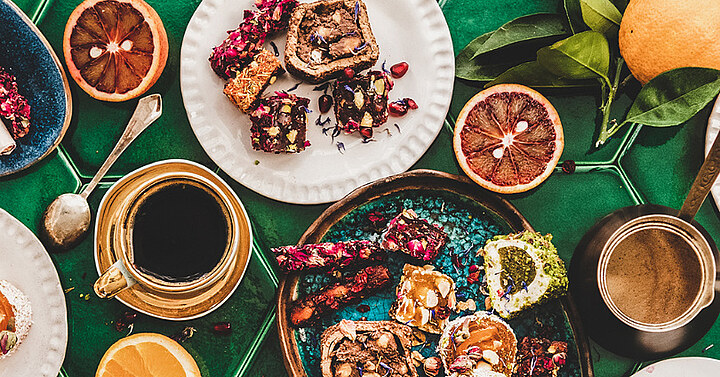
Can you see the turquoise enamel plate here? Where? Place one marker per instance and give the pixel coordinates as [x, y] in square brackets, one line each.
[469, 215]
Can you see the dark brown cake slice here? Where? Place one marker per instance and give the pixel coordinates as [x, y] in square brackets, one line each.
[361, 102]
[279, 123]
[367, 348]
[249, 83]
[327, 36]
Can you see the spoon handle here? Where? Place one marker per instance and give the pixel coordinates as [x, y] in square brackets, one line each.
[149, 108]
[703, 182]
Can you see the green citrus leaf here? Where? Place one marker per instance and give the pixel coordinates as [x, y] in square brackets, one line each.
[583, 56]
[574, 16]
[523, 29]
[474, 69]
[675, 96]
[535, 75]
[601, 16]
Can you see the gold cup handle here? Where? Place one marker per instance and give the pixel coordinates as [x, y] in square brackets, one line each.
[113, 281]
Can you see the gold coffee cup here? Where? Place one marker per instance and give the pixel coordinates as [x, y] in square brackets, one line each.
[132, 199]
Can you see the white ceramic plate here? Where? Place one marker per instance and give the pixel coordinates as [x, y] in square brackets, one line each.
[410, 30]
[710, 134]
[682, 367]
[25, 263]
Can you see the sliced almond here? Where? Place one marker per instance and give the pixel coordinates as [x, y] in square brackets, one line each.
[379, 86]
[431, 299]
[367, 121]
[443, 286]
[292, 135]
[491, 357]
[359, 100]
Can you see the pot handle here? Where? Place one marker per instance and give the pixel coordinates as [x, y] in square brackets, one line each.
[113, 281]
[703, 182]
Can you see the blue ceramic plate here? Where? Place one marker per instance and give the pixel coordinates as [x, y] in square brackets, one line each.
[469, 215]
[25, 53]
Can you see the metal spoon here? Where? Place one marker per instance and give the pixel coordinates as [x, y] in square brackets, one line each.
[67, 218]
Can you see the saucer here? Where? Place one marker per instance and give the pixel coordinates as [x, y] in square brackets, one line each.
[174, 307]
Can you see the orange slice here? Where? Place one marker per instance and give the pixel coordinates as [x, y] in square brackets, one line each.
[115, 49]
[508, 138]
[147, 355]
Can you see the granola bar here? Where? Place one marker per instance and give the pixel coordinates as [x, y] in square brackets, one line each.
[327, 255]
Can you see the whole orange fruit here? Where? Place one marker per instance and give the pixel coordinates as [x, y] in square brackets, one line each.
[660, 35]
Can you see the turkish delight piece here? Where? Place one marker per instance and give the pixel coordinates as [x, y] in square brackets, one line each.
[279, 123]
[306, 311]
[413, 236]
[240, 46]
[522, 270]
[361, 102]
[14, 107]
[275, 14]
[249, 83]
[425, 299]
[327, 255]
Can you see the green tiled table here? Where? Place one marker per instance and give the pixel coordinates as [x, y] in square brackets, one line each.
[640, 165]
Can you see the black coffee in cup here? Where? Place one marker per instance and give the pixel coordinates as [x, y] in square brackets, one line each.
[654, 276]
[180, 232]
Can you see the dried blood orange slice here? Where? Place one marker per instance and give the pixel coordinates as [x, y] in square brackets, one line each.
[508, 138]
[115, 49]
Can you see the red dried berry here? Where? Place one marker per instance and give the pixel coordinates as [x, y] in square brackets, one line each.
[473, 268]
[349, 73]
[325, 103]
[366, 132]
[398, 70]
[473, 277]
[397, 108]
[363, 308]
[442, 312]
[222, 328]
[411, 103]
[568, 166]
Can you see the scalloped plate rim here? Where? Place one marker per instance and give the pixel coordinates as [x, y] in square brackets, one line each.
[294, 189]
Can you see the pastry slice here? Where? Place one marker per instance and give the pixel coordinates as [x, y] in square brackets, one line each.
[367, 349]
[15, 318]
[478, 345]
[540, 357]
[425, 299]
[249, 83]
[522, 270]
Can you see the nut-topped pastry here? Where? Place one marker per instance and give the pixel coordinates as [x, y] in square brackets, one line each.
[522, 270]
[249, 83]
[367, 349]
[327, 36]
[425, 298]
[279, 123]
[478, 345]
